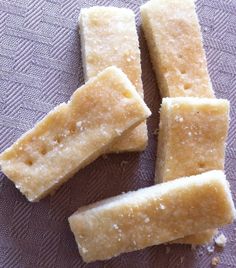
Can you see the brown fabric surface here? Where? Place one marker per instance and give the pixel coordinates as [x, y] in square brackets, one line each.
[40, 67]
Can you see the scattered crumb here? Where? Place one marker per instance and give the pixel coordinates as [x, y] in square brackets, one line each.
[167, 250]
[221, 240]
[193, 247]
[147, 220]
[182, 259]
[155, 132]
[215, 261]
[210, 249]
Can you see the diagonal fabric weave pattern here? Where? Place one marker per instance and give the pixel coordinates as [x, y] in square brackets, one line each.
[40, 67]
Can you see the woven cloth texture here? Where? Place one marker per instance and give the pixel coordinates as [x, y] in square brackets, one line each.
[40, 67]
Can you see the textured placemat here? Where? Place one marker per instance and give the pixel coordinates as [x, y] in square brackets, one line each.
[40, 67]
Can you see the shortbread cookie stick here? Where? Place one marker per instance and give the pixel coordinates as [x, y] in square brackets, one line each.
[109, 37]
[152, 216]
[174, 39]
[74, 134]
[192, 135]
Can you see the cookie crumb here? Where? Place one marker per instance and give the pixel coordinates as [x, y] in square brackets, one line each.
[210, 249]
[182, 259]
[221, 240]
[215, 261]
[155, 132]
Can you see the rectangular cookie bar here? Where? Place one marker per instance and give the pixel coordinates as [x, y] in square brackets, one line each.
[153, 215]
[74, 134]
[192, 136]
[174, 40]
[109, 37]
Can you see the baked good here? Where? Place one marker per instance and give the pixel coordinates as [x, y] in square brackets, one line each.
[109, 37]
[192, 136]
[153, 215]
[174, 40]
[74, 134]
[202, 238]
